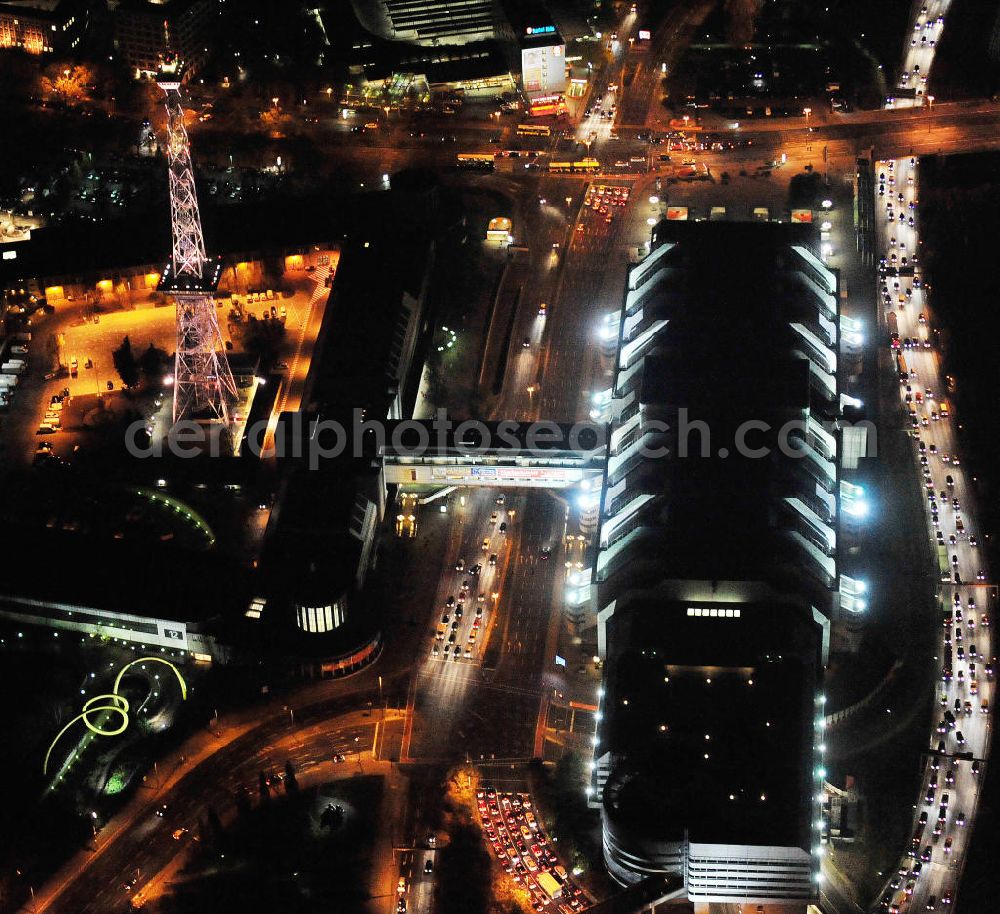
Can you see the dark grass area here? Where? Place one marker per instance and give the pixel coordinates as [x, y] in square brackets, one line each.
[283, 855]
[960, 207]
[967, 63]
[854, 36]
[960, 204]
[464, 877]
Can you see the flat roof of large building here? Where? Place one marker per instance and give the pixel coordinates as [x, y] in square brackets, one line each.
[713, 716]
[66, 569]
[709, 703]
[726, 376]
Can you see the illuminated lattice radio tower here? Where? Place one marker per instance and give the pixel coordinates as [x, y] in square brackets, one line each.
[204, 388]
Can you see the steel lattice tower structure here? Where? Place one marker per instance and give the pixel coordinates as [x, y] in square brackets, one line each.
[204, 388]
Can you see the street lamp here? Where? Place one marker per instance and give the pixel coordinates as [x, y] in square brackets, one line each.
[807, 112]
[930, 102]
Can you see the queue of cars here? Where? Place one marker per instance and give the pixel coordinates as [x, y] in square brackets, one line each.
[601, 201]
[464, 614]
[524, 853]
[925, 879]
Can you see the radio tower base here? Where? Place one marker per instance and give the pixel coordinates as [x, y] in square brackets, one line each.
[204, 388]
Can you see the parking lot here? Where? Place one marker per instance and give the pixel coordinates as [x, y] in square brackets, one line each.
[70, 353]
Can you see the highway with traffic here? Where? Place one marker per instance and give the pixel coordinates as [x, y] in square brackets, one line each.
[485, 645]
[945, 814]
[944, 818]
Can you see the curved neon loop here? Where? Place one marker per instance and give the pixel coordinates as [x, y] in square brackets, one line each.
[113, 703]
[177, 673]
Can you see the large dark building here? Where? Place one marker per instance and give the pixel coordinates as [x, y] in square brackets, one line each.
[325, 532]
[716, 571]
[146, 30]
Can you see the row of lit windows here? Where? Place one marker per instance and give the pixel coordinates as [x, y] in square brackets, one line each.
[751, 868]
[706, 612]
[320, 618]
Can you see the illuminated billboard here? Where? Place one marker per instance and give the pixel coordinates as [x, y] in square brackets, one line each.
[543, 69]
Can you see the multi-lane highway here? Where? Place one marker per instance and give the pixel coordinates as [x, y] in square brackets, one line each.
[944, 820]
[919, 55]
[945, 813]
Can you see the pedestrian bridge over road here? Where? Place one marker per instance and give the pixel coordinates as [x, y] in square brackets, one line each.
[514, 454]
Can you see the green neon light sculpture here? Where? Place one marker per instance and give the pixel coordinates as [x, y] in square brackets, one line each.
[111, 703]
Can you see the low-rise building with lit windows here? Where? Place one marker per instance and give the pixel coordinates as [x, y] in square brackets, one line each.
[43, 26]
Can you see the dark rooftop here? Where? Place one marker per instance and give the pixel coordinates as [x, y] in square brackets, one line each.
[159, 582]
[714, 716]
[725, 360]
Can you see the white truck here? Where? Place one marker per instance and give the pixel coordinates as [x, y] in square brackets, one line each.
[8, 381]
[14, 367]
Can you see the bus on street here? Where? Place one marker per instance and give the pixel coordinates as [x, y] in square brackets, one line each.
[475, 160]
[534, 130]
[582, 167]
